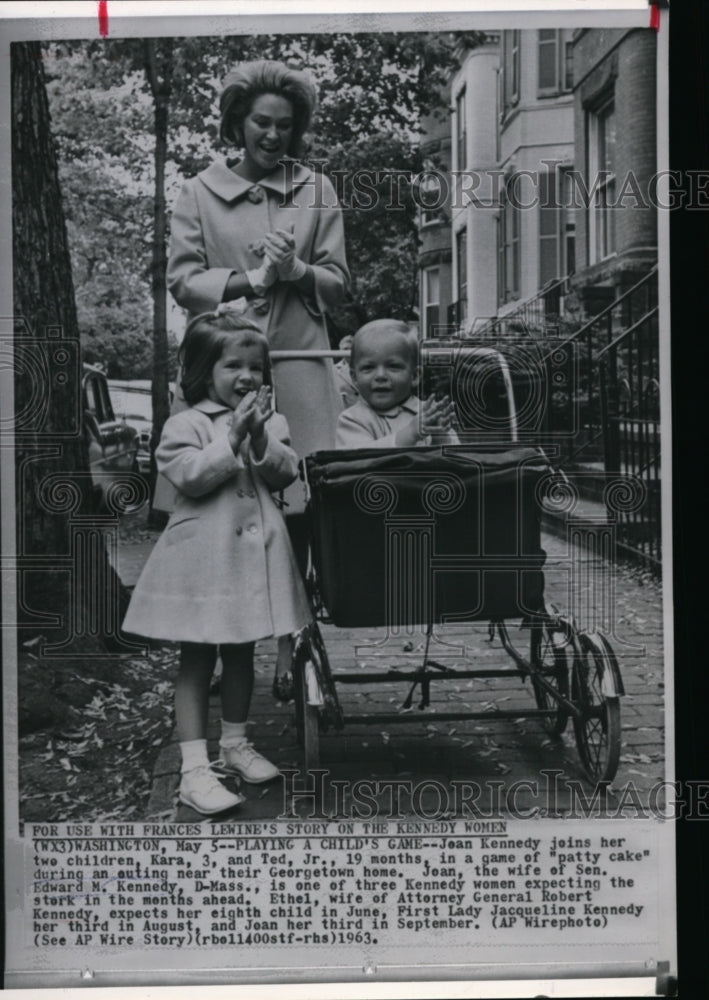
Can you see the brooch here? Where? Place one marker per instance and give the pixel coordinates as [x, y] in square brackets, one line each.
[255, 195]
[260, 306]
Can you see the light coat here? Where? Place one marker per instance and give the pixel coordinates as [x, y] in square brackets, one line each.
[223, 571]
[218, 225]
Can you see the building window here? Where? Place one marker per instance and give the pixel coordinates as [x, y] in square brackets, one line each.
[601, 175]
[460, 132]
[510, 70]
[508, 245]
[568, 65]
[548, 228]
[567, 221]
[431, 300]
[461, 257]
[557, 227]
[431, 194]
[554, 62]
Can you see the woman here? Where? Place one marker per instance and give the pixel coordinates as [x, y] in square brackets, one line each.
[268, 228]
[264, 227]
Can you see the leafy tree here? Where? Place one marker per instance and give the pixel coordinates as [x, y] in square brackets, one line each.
[373, 176]
[136, 117]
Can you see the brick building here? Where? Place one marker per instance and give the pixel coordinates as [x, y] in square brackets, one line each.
[548, 129]
[615, 141]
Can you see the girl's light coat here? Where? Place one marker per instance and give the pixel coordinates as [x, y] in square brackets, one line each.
[217, 228]
[223, 571]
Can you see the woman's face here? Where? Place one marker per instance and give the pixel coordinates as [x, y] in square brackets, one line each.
[268, 130]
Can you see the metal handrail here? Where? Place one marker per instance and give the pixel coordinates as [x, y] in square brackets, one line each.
[607, 309]
[541, 295]
[295, 355]
[614, 343]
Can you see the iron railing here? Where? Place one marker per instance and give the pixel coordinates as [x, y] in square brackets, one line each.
[538, 316]
[576, 413]
[630, 411]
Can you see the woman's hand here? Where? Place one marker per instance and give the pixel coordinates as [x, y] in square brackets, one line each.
[240, 421]
[261, 278]
[280, 251]
[258, 415]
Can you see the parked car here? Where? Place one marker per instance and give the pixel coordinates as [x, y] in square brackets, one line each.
[112, 443]
[132, 401]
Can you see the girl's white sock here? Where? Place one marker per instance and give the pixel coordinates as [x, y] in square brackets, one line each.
[194, 754]
[232, 732]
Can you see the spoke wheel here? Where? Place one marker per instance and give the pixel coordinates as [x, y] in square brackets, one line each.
[597, 730]
[551, 656]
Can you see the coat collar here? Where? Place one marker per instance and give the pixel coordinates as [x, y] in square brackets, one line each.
[225, 184]
[411, 405]
[210, 407]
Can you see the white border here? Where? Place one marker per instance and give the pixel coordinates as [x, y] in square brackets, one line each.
[80, 19]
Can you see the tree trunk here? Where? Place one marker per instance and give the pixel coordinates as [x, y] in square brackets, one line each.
[53, 482]
[158, 70]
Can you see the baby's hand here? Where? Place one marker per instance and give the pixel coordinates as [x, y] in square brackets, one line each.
[240, 421]
[437, 415]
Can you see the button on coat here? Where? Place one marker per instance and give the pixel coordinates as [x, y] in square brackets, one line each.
[217, 228]
[223, 570]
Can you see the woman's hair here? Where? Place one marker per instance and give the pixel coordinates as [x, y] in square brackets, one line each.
[250, 80]
[202, 346]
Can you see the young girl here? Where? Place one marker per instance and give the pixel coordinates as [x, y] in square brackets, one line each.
[223, 574]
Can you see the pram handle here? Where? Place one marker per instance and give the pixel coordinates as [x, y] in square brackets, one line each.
[304, 355]
[307, 355]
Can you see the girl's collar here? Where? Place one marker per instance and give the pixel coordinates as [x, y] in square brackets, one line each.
[225, 184]
[209, 406]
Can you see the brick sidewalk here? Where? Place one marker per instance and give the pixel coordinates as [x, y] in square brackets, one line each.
[424, 750]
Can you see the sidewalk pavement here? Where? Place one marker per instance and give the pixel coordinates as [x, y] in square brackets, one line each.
[621, 602]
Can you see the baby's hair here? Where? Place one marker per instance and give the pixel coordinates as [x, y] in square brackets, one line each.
[203, 344]
[382, 327]
[250, 80]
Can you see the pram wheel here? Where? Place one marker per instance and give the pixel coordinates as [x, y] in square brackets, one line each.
[310, 727]
[309, 649]
[551, 656]
[597, 728]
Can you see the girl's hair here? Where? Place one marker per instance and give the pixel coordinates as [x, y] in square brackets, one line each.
[202, 346]
[250, 80]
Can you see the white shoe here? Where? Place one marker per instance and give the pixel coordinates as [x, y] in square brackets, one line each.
[201, 789]
[243, 759]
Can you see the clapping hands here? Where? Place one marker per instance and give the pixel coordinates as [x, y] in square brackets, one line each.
[280, 252]
[435, 418]
[260, 412]
[437, 415]
[250, 417]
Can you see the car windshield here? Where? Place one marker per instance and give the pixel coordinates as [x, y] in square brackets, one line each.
[132, 405]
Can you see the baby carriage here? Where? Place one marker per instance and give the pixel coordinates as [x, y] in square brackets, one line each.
[430, 536]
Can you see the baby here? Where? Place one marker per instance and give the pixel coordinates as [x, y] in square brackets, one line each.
[384, 369]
